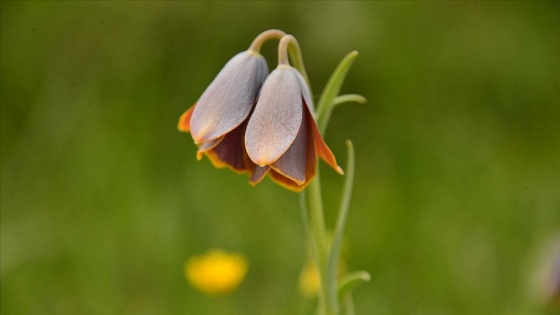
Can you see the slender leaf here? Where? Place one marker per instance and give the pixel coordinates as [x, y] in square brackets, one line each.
[347, 98]
[351, 280]
[325, 104]
[334, 254]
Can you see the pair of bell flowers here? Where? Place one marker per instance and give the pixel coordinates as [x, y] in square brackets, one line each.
[259, 123]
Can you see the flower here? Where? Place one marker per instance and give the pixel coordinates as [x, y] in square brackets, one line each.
[282, 137]
[309, 280]
[217, 121]
[216, 272]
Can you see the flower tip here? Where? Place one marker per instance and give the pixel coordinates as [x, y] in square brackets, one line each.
[184, 124]
[339, 170]
[261, 159]
[201, 136]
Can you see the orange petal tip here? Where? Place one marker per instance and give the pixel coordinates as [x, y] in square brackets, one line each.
[184, 124]
[339, 170]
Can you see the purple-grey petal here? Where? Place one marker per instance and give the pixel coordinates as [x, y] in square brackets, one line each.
[293, 162]
[259, 172]
[229, 99]
[230, 150]
[277, 117]
[207, 146]
[305, 92]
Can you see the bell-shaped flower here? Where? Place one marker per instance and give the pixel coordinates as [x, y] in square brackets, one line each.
[217, 121]
[282, 137]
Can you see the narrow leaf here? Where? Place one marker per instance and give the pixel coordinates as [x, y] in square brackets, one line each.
[347, 98]
[325, 107]
[350, 280]
[334, 255]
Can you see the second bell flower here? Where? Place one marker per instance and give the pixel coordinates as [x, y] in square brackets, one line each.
[282, 137]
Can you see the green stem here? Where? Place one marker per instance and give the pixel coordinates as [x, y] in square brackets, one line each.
[321, 249]
[317, 218]
[325, 256]
[334, 254]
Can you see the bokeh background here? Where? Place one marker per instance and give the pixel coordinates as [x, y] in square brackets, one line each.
[457, 190]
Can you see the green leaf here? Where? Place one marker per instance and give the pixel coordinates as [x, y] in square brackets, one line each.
[325, 104]
[347, 98]
[351, 280]
[334, 254]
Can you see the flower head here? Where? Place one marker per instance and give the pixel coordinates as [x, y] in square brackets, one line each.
[217, 121]
[282, 137]
[216, 272]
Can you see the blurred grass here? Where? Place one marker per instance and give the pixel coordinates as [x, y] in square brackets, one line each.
[102, 200]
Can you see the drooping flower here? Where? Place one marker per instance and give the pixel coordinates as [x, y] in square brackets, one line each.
[217, 121]
[282, 137]
[216, 272]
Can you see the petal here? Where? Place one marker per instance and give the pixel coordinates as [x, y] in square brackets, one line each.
[229, 99]
[311, 165]
[230, 151]
[277, 118]
[185, 120]
[322, 149]
[305, 92]
[259, 172]
[207, 146]
[286, 182]
[292, 164]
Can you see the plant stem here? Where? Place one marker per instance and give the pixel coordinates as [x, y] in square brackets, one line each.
[314, 218]
[318, 234]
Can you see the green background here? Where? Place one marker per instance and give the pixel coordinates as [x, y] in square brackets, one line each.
[457, 190]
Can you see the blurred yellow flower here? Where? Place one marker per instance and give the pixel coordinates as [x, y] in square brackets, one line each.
[216, 272]
[309, 280]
